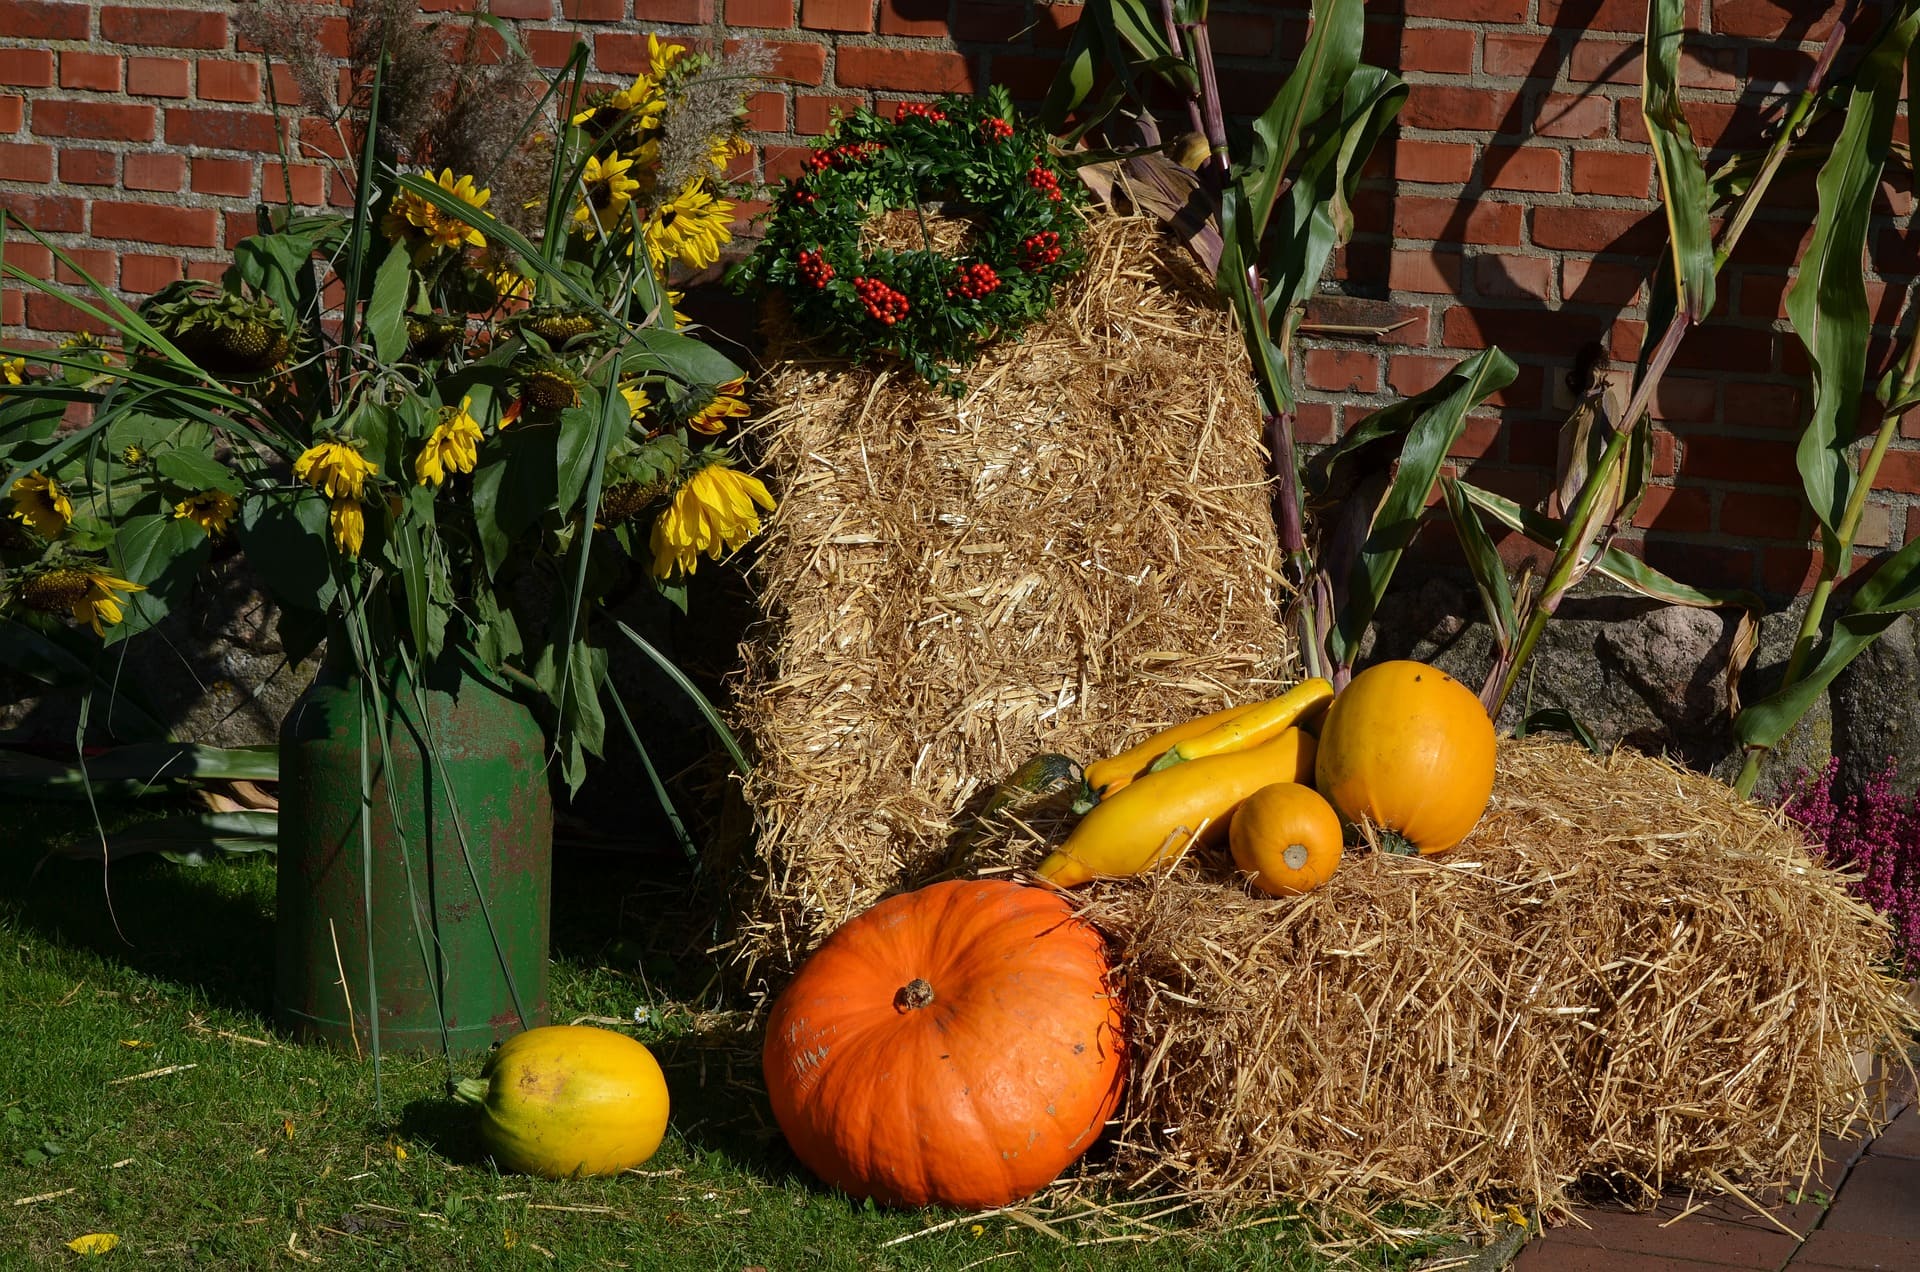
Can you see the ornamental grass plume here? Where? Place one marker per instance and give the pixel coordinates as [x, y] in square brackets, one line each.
[1875, 833]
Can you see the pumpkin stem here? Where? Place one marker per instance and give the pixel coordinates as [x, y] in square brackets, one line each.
[912, 996]
[471, 1090]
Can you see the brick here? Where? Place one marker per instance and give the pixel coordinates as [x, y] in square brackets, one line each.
[1343, 371]
[1399, 324]
[771, 15]
[1508, 11]
[1513, 277]
[92, 121]
[1437, 50]
[837, 15]
[160, 170]
[47, 213]
[1604, 172]
[1432, 162]
[593, 10]
[1239, 34]
[921, 18]
[222, 81]
[1566, 115]
[1842, 1251]
[1742, 459]
[87, 167]
[1436, 272]
[12, 113]
[37, 261]
[158, 76]
[1600, 282]
[551, 49]
[36, 20]
[1789, 571]
[1599, 230]
[797, 63]
[1534, 168]
[1523, 56]
[525, 10]
[1316, 423]
[309, 182]
[1678, 510]
[1751, 516]
[1684, 399]
[991, 22]
[1767, 19]
[52, 313]
[97, 71]
[26, 68]
[1900, 471]
[1712, 69]
[1717, 347]
[1028, 78]
[26, 162]
[1607, 15]
[156, 224]
[781, 162]
[220, 129]
[1479, 439]
[142, 275]
[1604, 62]
[814, 115]
[233, 177]
[163, 28]
[909, 69]
[1516, 330]
[1457, 221]
[1751, 405]
[1444, 107]
[86, 263]
[684, 12]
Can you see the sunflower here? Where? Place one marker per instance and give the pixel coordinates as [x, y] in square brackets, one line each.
[211, 510]
[453, 446]
[13, 370]
[692, 226]
[42, 503]
[723, 149]
[635, 393]
[349, 522]
[608, 190]
[411, 219]
[335, 469]
[712, 512]
[727, 404]
[88, 594]
[632, 113]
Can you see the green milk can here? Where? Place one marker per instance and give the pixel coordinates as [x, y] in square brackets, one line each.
[434, 921]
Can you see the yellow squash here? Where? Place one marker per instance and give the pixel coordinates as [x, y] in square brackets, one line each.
[1156, 817]
[1298, 705]
[569, 1100]
[1106, 777]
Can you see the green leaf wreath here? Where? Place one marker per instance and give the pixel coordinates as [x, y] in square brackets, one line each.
[924, 237]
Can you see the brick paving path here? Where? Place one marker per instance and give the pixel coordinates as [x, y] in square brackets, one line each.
[1869, 1219]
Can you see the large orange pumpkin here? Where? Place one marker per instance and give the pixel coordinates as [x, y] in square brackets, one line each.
[1410, 749]
[956, 1046]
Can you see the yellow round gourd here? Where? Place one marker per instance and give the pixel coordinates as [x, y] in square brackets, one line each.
[1409, 749]
[570, 1100]
[1287, 837]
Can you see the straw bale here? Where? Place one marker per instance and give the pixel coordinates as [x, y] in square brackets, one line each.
[1077, 550]
[1625, 974]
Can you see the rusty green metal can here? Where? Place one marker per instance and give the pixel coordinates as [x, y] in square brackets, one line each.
[440, 935]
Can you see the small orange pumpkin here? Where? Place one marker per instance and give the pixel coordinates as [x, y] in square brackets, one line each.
[1287, 837]
[1410, 749]
[956, 1046]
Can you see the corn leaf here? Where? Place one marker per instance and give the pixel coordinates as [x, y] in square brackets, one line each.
[1893, 590]
[1429, 423]
[1483, 561]
[1683, 178]
[1827, 303]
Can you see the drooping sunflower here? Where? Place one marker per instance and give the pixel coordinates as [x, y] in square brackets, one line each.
[13, 370]
[691, 227]
[606, 191]
[453, 446]
[211, 510]
[89, 595]
[349, 522]
[728, 403]
[638, 402]
[413, 220]
[42, 503]
[335, 469]
[712, 512]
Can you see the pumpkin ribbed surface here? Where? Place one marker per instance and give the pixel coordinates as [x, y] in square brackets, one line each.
[955, 1046]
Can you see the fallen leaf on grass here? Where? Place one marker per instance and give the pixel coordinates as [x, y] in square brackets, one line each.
[93, 1243]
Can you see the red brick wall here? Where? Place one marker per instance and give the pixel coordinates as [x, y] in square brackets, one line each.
[1513, 205]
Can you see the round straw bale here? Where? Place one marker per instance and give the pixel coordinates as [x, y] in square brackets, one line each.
[1625, 974]
[1076, 552]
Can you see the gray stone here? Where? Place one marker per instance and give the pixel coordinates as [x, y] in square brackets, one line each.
[1875, 702]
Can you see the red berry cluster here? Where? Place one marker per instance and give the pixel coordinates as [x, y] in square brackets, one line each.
[814, 268]
[906, 110]
[974, 281]
[1044, 181]
[994, 128]
[1039, 250]
[883, 302]
[821, 160]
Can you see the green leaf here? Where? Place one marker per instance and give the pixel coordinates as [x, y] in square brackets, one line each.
[1317, 83]
[677, 354]
[1483, 560]
[516, 482]
[693, 693]
[1557, 720]
[1073, 82]
[163, 553]
[387, 310]
[196, 470]
[1683, 178]
[1431, 422]
[68, 659]
[285, 535]
[1893, 590]
[1828, 300]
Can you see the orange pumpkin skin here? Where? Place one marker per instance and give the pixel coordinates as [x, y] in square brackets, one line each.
[1287, 837]
[1409, 748]
[956, 1046]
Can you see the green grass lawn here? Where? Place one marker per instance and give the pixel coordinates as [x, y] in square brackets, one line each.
[242, 1150]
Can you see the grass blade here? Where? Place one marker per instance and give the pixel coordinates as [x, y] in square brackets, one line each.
[686, 686]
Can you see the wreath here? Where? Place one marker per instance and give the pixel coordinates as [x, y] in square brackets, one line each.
[923, 238]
